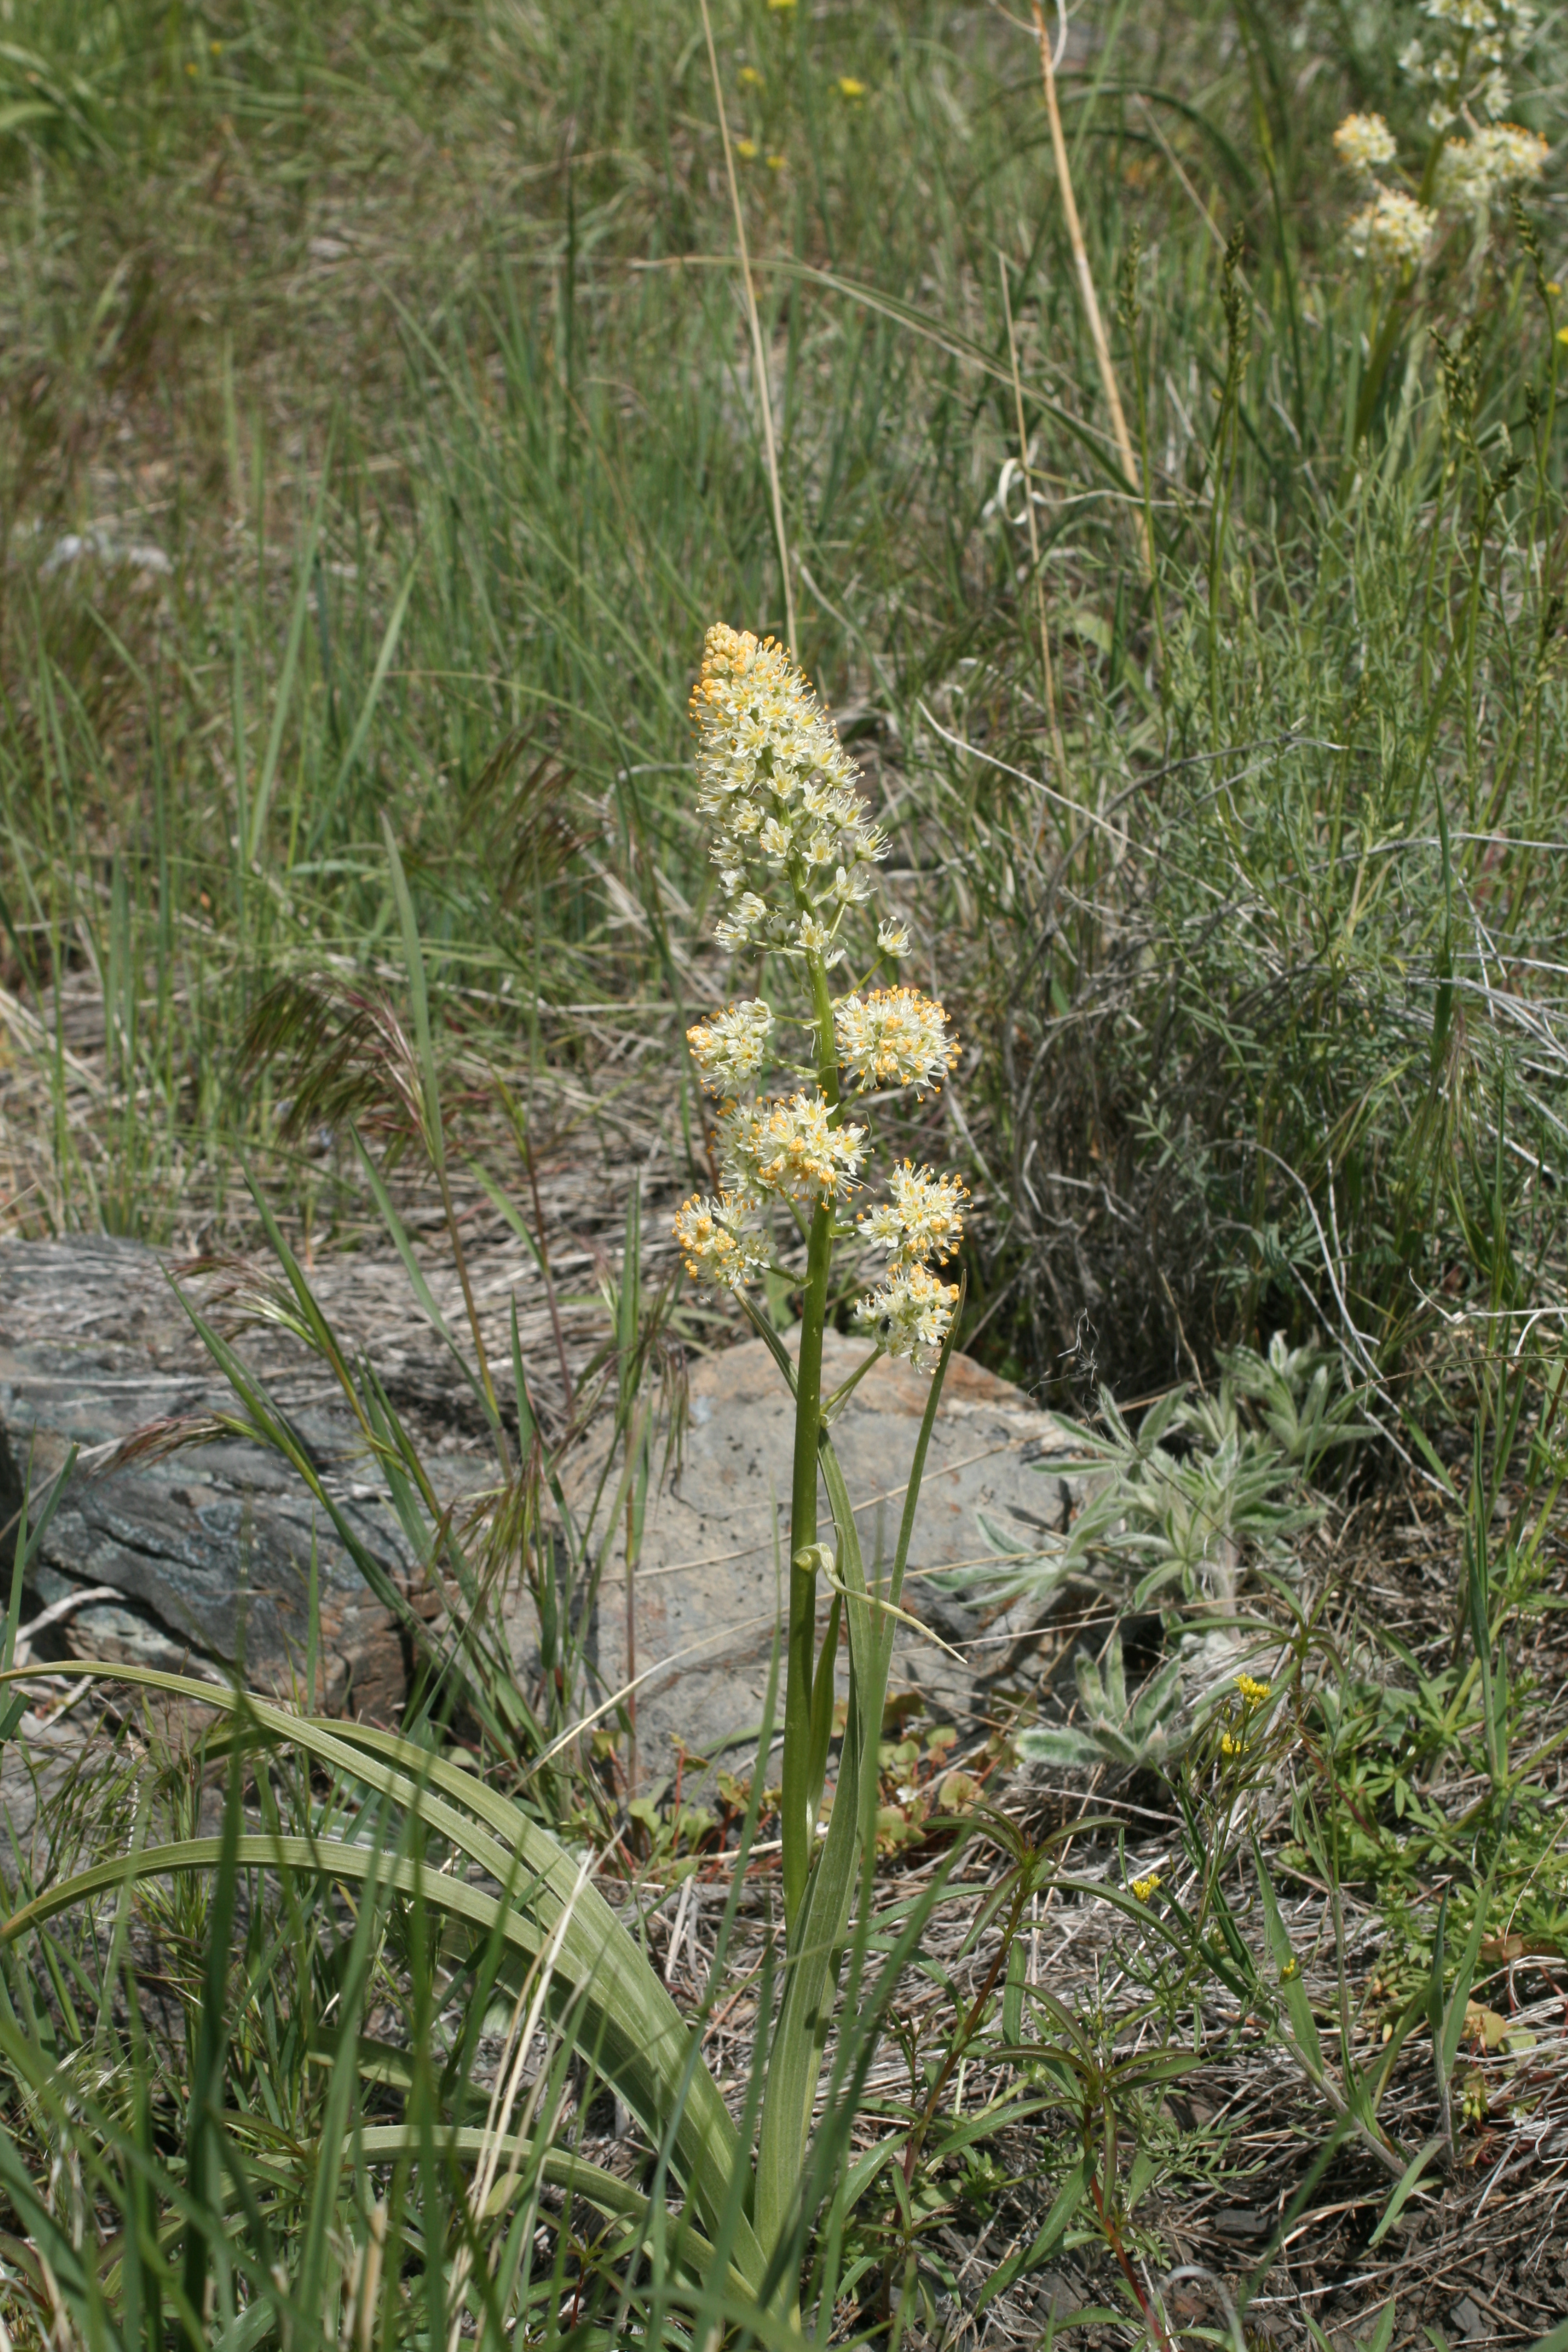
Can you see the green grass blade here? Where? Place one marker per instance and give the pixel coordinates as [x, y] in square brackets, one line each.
[361, 727]
[645, 2038]
[285, 695]
[419, 995]
[1405, 2189]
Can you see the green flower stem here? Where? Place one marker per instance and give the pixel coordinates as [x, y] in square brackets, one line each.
[1377, 369]
[796, 1798]
[1394, 318]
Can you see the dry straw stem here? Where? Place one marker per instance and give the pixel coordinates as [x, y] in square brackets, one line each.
[1058, 751]
[759, 357]
[1085, 281]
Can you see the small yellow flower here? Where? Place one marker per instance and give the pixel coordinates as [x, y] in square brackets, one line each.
[775, 163]
[751, 77]
[1230, 1745]
[847, 87]
[1552, 287]
[1290, 1968]
[781, 8]
[1563, 334]
[215, 49]
[1143, 1889]
[1253, 1692]
[746, 149]
[191, 66]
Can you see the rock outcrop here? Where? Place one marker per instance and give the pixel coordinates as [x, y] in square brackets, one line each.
[199, 1562]
[715, 1542]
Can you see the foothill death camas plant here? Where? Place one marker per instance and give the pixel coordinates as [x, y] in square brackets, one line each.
[795, 847]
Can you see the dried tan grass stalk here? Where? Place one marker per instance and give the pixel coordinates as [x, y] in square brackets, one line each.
[1085, 281]
[759, 357]
[1058, 751]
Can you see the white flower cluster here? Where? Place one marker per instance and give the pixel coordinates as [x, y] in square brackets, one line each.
[730, 1048]
[923, 1220]
[1462, 64]
[1392, 232]
[894, 1038]
[721, 1241]
[793, 844]
[792, 836]
[791, 1149]
[910, 1314]
[1465, 62]
[1472, 171]
[1363, 142]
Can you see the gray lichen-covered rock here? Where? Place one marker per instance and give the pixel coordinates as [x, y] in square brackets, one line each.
[207, 1552]
[715, 1537]
[201, 1559]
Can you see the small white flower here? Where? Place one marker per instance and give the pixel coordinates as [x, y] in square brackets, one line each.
[788, 1147]
[813, 937]
[730, 1047]
[1465, 16]
[892, 938]
[719, 1240]
[1472, 171]
[735, 928]
[1516, 154]
[850, 887]
[924, 1218]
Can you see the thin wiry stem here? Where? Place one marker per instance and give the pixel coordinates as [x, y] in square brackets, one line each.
[759, 358]
[1057, 751]
[1086, 279]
